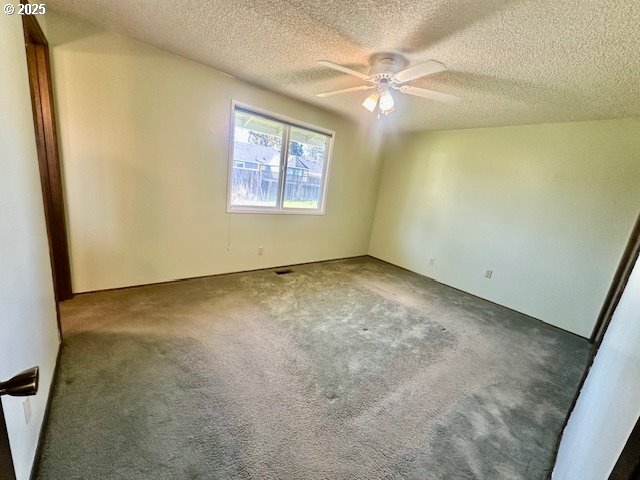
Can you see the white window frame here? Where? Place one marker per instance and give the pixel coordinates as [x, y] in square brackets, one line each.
[279, 209]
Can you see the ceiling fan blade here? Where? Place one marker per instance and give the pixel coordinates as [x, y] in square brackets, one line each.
[347, 70]
[430, 94]
[345, 90]
[420, 70]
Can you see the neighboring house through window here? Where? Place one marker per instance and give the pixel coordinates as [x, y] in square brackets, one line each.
[264, 176]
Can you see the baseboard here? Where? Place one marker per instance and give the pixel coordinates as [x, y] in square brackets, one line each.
[45, 418]
[484, 299]
[275, 267]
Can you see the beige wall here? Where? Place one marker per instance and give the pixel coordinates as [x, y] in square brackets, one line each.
[144, 143]
[28, 327]
[144, 139]
[548, 208]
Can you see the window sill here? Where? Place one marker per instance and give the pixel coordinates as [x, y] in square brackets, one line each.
[263, 211]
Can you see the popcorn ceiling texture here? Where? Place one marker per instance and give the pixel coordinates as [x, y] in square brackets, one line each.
[512, 62]
[350, 369]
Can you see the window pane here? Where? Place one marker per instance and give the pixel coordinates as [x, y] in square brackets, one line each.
[257, 143]
[305, 167]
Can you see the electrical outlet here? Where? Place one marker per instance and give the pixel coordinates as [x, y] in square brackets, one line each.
[488, 274]
[432, 261]
[260, 250]
[26, 405]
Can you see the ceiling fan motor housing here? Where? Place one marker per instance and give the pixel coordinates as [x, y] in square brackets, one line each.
[385, 65]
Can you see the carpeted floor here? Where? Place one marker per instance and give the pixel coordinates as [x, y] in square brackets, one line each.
[350, 369]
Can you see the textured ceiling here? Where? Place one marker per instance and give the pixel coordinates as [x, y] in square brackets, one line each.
[511, 61]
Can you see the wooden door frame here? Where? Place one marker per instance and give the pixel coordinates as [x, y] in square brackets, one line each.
[40, 84]
[628, 465]
[7, 470]
[618, 285]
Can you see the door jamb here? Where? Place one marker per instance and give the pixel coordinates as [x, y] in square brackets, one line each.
[6, 461]
[39, 68]
[618, 285]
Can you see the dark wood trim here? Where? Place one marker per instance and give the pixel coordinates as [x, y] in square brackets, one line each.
[39, 68]
[628, 465]
[6, 460]
[39, 71]
[45, 419]
[619, 283]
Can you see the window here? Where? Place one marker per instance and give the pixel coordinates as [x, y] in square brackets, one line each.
[264, 176]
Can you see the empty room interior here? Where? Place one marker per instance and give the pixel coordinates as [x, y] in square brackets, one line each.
[345, 240]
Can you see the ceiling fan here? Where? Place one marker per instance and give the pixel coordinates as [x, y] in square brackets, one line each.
[390, 71]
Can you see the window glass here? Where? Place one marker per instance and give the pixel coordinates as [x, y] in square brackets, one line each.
[305, 167]
[257, 146]
[263, 177]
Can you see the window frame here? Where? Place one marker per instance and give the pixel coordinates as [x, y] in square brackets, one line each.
[288, 122]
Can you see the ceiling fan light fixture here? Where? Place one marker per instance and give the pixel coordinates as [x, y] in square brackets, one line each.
[371, 101]
[386, 103]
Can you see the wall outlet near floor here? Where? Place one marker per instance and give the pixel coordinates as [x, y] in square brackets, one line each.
[432, 261]
[26, 405]
[260, 250]
[488, 274]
